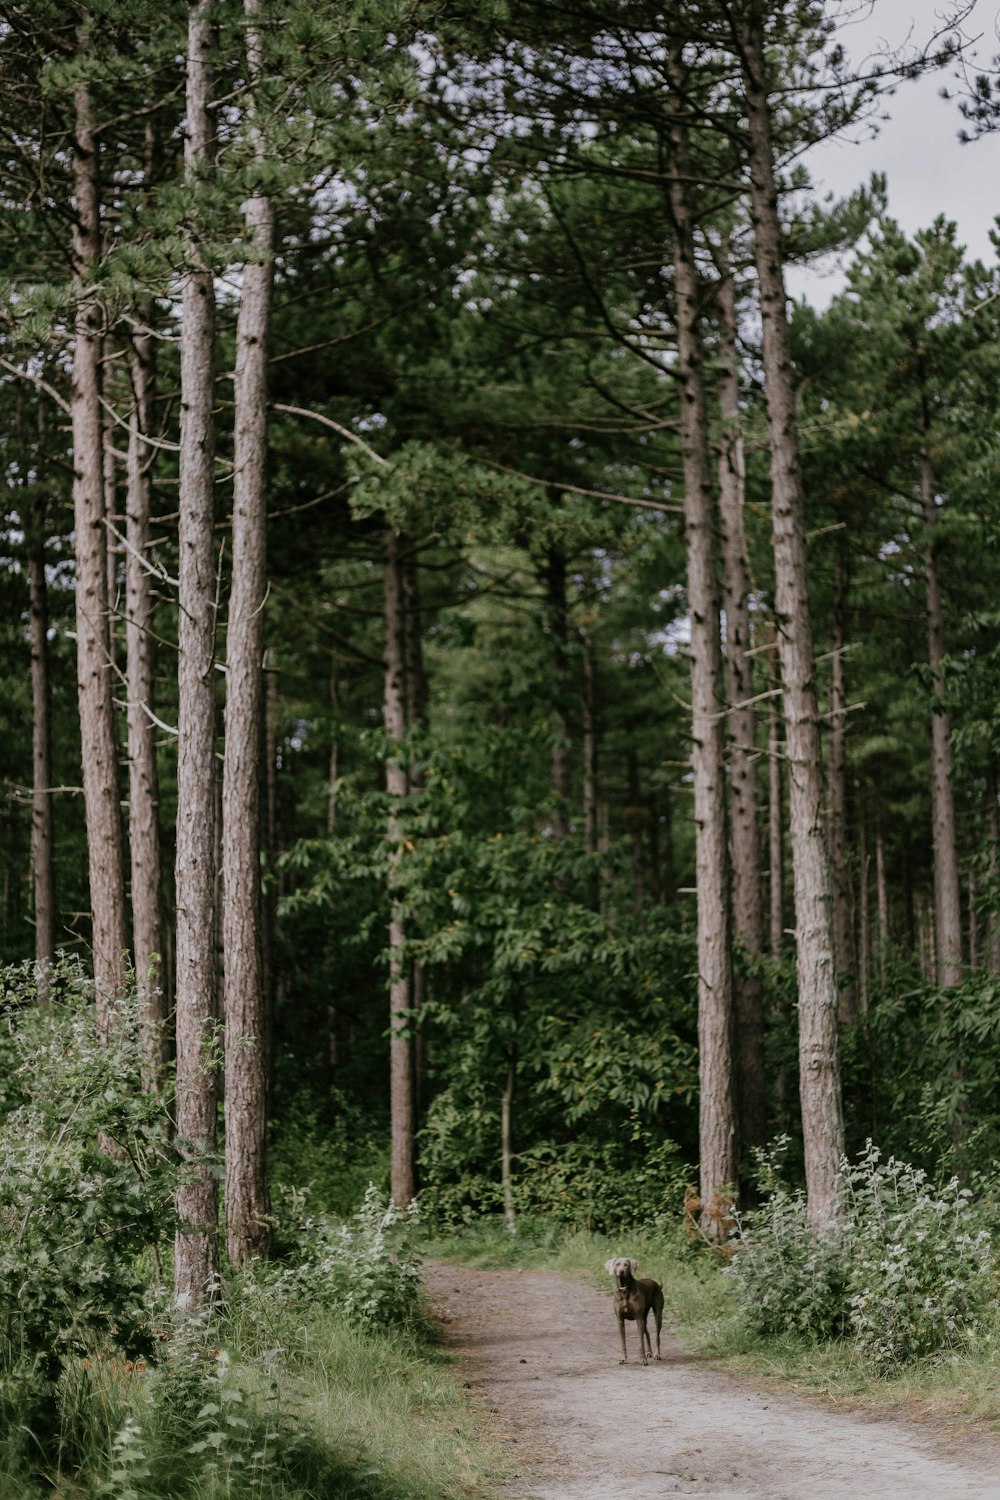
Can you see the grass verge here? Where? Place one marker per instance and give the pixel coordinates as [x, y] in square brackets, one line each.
[292, 1407]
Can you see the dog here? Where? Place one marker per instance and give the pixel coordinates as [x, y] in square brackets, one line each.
[635, 1300]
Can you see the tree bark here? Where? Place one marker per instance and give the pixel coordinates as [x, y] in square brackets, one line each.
[247, 1207]
[819, 1062]
[864, 916]
[555, 616]
[143, 823]
[416, 716]
[99, 742]
[717, 1116]
[748, 914]
[635, 819]
[591, 733]
[882, 894]
[507, 1142]
[403, 1163]
[993, 868]
[843, 916]
[947, 898]
[196, 1260]
[42, 830]
[775, 824]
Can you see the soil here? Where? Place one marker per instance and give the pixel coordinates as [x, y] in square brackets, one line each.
[541, 1354]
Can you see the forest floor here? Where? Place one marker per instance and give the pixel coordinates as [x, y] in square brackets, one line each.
[540, 1354]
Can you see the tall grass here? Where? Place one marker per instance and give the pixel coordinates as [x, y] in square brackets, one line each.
[328, 1411]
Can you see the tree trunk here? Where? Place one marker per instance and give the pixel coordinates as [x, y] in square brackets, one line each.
[993, 868]
[247, 1207]
[591, 732]
[717, 1118]
[882, 894]
[864, 917]
[99, 743]
[42, 834]
[196, 1260]
[506, 1142]
[947, 899]
[668, 864]
[748, 914]
[775, 823]
[416, 716]
[555, 616]
[143, 823]
[635, 819]
[403, 1165]
[843, 917]
[333, 765]
[819, 1062]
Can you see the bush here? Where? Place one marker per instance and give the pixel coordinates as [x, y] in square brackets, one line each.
[907, 1271]
[86, 1180]
[920, 1266]
[368, 1267]
[787, 1279]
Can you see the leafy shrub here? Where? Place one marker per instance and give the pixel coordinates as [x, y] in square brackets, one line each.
[86, 1180]
[787, 1278]
[367, 1267]
[920, 1265]
[907, 1271]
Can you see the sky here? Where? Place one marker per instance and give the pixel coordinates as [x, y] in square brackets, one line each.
[929, 171]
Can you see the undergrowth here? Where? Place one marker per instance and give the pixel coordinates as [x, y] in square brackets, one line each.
[313, 1378]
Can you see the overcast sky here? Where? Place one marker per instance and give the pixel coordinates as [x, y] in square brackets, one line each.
[929, 170]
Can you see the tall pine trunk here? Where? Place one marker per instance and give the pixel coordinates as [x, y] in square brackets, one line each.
[556, 625]
[819, 1062]
[947, 898]
[591, 748]
[992, 867]
[196, 1260]
[247, 1208]
[775, 824]
[42, 831]
[882, 893]
[401, 1104]
[143, 823]
[99, 742]
[717, 1117]
[748, 911]
[840, 875]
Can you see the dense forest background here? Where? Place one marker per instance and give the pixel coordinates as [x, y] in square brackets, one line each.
[516, 698]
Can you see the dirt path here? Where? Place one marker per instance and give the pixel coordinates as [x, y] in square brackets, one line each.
[542, 1353]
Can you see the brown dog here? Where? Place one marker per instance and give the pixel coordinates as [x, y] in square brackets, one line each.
[635, 1300]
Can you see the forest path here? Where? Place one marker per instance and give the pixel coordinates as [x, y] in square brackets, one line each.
[541, 1353]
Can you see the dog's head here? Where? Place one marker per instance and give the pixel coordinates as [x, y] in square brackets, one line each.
[623, 1268]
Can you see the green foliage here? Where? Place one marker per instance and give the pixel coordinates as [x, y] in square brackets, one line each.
[923, 1268]
[328, 1165]
[367, 1267]
[86, 1178]
[907, 1272]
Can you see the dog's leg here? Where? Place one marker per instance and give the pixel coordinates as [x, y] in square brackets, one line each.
[644, 1344]
[621, 1329]
[658, 1317]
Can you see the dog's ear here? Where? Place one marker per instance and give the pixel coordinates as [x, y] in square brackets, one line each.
[633, 1266]
[609, 1266]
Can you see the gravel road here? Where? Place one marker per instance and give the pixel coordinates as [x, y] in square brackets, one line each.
[541, 1353]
